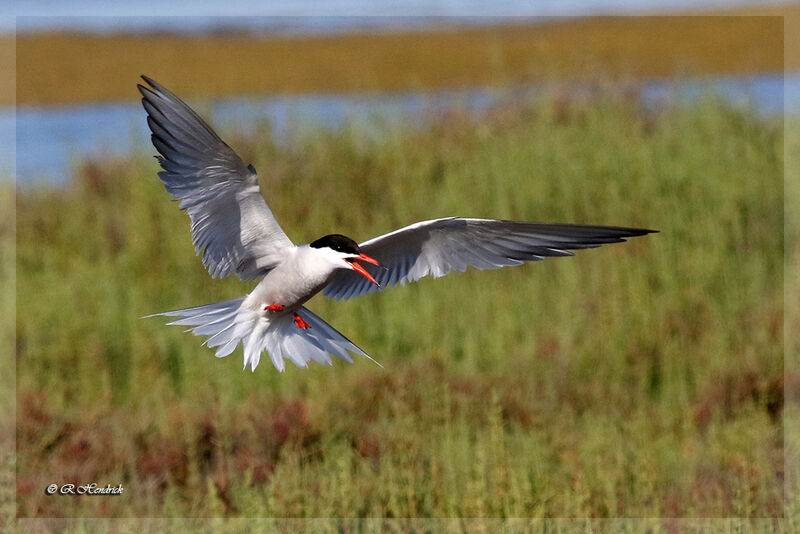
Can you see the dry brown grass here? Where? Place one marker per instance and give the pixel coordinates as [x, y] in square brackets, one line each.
[66, 68]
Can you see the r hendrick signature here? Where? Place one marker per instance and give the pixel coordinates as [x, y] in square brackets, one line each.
[85, 489]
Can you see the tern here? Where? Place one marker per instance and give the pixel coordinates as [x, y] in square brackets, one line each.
[235, 232]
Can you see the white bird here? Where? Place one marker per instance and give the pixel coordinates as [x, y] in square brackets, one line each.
[235, 232]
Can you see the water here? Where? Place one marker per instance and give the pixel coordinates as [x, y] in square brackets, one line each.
[50, 141]
[306, 16]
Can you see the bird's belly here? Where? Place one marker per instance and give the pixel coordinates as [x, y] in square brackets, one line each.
[289, 289]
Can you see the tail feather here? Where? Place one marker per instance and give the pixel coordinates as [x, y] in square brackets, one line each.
[213, 327]
[189, 314]
[331, 340]
[227, 323]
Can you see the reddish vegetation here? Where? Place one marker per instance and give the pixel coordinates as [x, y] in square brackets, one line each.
[367, 444]
[218, 449]
[726, 396]
[162, 460]
[195, 448]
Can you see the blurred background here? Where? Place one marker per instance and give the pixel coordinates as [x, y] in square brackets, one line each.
[76, 66]
[639, 380]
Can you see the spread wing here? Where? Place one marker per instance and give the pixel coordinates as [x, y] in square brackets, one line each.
[232, 226]
[439, 246]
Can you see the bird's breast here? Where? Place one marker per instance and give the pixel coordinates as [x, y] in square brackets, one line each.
[291, 284]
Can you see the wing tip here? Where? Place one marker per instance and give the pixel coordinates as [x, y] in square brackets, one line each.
[636, 232]
[153, 90]
[155, 87]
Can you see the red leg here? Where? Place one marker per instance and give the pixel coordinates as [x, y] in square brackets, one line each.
[300, 322]
[273, 307]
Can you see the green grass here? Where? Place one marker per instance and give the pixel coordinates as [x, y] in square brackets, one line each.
[637, 380]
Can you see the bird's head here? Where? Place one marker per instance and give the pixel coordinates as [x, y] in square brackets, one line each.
[344, 252]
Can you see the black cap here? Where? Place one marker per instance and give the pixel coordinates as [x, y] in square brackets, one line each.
[337, 242]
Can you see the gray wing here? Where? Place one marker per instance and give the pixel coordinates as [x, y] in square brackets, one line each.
[232, 226]
[439, 246]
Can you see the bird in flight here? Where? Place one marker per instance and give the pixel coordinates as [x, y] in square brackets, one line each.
[235, 232]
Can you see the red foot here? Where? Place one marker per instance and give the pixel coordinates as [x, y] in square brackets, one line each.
[300, 322]
[273, 307]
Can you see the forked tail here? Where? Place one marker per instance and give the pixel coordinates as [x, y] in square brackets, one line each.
[227, 323]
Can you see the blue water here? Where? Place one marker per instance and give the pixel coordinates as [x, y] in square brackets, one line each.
[51, 141]
[304, 16]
